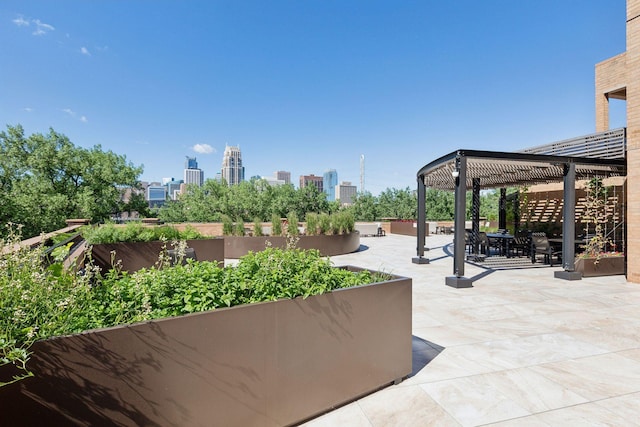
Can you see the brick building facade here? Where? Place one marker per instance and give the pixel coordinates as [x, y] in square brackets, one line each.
[619, 78]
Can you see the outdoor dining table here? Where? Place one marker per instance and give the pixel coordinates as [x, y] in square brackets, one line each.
[504, 239]
[557, 242]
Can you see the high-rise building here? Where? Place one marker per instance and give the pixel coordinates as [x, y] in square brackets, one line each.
[329, 182]
[232, 169]
[273, 181]
[345, 192]
[283, 176]
[156, 194]
[192, 174]
[173, 188]
[191, 163]
[311, 180]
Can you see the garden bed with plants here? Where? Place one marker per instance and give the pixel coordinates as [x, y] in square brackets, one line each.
[329, 234]
[137, 246]
[599, 257]
[196, 343]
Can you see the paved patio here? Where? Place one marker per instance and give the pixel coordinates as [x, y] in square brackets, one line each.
[520, 348]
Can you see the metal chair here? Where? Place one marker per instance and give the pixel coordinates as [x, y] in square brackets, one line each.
[521, 244]
[540, 245]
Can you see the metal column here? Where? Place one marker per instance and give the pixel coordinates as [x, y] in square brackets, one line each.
[475, 226]
[502, 209]
[569, 225]
[420, 249]
[458, 280]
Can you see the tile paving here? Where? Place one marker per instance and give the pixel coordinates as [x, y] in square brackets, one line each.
[519, 348]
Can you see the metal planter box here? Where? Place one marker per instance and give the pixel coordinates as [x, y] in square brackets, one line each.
[327, 245]
[137, 255]
[606, 266]
[267, 364]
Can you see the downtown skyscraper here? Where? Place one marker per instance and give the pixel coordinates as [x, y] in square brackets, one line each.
[232, 169]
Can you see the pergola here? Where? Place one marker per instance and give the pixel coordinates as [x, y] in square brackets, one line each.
[472, 169]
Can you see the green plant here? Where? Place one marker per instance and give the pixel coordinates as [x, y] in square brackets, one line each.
[324, 223]
[38, 303]
[292, 224]
[227, 226]
[257, 227]
[239, 227]
[595, 216]
[276, 225]
[312, 223]
[135, 232]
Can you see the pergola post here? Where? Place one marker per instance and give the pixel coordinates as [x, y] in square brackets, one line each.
[569, 225]
[502, 209]
[420, 249]
[475, 223]
[460, 176]
[516, 212]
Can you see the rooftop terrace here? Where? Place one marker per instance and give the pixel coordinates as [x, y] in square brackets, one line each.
[516, 349]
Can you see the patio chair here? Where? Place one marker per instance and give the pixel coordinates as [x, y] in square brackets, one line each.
[495, 244]
[521, 244]
[540, 245]
[483, 242]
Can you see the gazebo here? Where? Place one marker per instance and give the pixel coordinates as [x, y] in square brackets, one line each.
[462, 170]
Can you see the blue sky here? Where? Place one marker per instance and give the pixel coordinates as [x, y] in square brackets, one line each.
[306, 85]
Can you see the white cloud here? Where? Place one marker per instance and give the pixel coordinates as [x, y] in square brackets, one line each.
[84, 119]
[69, 111]
[41, 27]
[28, 109]
[21, 22]
[85, 51]
[203, 149]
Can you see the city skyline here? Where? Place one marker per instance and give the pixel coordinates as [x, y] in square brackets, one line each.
[306, 86]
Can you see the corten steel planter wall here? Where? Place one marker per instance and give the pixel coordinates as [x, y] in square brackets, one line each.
[266, 364]
[606, 266]
[407, 228]
[328, 245]
[137, 255]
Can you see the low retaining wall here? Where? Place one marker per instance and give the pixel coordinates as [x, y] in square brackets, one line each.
[328, 245]
[268, 364]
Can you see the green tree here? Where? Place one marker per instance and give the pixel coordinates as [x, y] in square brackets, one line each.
[439, 205]
[45, 179]
[365, 207]
[401, 204]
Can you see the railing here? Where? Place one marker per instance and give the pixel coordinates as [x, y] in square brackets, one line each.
[610, 144]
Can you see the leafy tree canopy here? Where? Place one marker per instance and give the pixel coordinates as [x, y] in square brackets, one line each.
[45, 179]
[246, 201]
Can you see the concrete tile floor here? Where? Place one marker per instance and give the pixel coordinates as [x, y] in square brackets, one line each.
[519, 348]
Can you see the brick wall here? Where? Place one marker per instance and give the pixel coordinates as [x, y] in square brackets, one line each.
[633, 140]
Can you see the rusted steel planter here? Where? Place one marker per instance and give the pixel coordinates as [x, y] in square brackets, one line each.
[606, 266]
[137, 255]
[267, 364]
[407, 228]
[328, 245]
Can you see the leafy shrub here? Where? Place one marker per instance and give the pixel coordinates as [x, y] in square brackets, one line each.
[136, 232]
[239, 228]
[276, 225]
[324, 221]
[37, 303]
[312, 223]
[292, 224]
[227, 226]
[257, 227]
